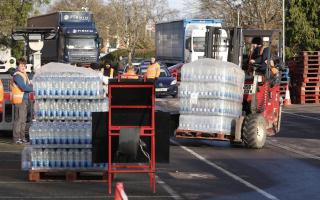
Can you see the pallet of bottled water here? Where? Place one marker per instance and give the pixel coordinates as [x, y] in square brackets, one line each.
[61, 135]
[210, 95]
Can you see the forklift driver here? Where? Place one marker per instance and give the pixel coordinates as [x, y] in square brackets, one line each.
[259, 56]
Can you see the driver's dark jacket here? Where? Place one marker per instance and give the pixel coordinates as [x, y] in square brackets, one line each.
[260, 58]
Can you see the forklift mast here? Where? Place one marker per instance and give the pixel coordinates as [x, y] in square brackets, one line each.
[234, 44]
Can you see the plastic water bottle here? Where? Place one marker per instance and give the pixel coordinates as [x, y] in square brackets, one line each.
[70, 158]
[44, 135]
[58, 158]
[82, 135]
[83, 158]
[64, 158]
[50, 135]
[34, 158]
[88, 153]
[63, 134]
[56, 132]
[64, 109]
[81, 110]
[87, 109]
[76, 109]
[63, 87]
[75, 133]
[88, 135]
[68, 135]
[69, 108]
[46, 158]
[51, 156]
[76, 158]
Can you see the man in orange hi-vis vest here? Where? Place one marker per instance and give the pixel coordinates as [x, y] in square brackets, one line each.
[20, 88]
[153, 71]
[1, 96]
[130, 73]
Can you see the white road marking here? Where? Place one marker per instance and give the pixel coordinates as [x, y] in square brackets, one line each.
[290, 113]
[168, 189]
[82, 197]
[226, 172]
[291, 149]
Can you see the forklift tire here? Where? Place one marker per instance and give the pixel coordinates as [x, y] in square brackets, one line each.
[254, 131]
[277, 128]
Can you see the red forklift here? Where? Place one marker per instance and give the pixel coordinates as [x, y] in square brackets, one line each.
[262, 103]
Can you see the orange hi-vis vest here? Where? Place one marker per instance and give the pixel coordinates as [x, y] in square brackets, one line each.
[17, 93]
[130, 74]
[153, 70]
[1, 96]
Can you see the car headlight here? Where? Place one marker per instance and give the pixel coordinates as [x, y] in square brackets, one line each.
[173, 82]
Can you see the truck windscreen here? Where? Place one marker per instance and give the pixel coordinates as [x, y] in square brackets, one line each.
[198, 44]
[81, 43]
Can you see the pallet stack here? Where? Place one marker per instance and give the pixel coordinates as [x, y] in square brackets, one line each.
[306, 75]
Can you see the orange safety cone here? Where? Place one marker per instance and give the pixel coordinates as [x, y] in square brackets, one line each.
[287, 100]
[119, 193]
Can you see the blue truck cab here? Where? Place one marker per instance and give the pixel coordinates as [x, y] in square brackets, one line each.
[77, 40]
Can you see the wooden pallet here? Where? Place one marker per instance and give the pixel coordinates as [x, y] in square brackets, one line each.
[189, 134]
[311, 53]
[309, 91]
[306, 99]
[36, 175]
[307, 70]
[307, 84]
[311, 58]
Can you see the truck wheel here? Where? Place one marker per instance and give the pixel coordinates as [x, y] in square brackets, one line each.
[254, 131]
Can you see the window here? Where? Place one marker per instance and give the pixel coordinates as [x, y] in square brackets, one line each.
[198, 44]
[80, 43]
[188, 44]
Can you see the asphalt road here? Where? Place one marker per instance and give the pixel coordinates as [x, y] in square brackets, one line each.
[288, 168]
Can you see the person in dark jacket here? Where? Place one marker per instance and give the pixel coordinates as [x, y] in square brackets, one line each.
[259, 55]
[108, 71]
[21, 87]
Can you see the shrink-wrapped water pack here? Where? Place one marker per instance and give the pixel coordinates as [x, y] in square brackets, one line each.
[211, 93]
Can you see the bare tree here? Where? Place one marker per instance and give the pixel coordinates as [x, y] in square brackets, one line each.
[263, 14]
[253, 13]
[161, 12]
[129, 21]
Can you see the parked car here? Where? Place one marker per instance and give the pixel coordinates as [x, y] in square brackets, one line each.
[165, 85]
[175, 70]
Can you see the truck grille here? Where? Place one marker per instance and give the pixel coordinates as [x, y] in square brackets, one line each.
[81, 56]
[83, 59]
